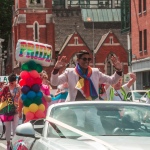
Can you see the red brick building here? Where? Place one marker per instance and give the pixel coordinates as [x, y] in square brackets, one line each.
[67, 33]
[140, 37]
[32, 20]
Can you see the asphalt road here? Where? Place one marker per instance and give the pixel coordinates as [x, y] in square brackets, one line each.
[3, 145]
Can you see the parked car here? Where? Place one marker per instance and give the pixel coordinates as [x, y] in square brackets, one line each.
[135, 95]
[88, 125]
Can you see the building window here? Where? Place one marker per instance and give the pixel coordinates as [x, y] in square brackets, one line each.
[108, 68]
[76, 41]
[140, 6]
[140, 41]
[35, 1]
[16, 4]
[146, 80]
[86, 3]
[145, 40]
[36, 32]
[144, 5]
[111, 40]
[108, 65]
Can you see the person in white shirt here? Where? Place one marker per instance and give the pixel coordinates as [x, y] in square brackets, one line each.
[118, 92]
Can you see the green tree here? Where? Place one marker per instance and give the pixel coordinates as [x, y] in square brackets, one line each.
[5, 20]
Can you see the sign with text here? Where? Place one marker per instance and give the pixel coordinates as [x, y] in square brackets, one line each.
[126, 77]
[4, 79]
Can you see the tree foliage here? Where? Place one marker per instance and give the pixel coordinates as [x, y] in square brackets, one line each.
[5, 20]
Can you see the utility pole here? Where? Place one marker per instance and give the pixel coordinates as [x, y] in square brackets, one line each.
[1, 59]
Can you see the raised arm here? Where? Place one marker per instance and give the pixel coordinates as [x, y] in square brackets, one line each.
[132, 80]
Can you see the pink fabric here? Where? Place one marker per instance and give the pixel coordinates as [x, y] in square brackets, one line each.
[46, 90]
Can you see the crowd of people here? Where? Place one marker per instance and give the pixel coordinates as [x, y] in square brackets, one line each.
[80, 83]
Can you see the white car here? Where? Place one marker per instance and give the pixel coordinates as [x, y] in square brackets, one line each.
[135, 95]
[88, 125]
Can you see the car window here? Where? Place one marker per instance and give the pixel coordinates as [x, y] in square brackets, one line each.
[100, 120]
[129, 94]
[138, 95]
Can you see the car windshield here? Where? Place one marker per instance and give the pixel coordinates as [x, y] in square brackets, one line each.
[101, 120]
[138, 95]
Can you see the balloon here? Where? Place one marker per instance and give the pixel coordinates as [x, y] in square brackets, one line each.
[38, 81]
[32, 65]
[25, 89]
[25, 110]
[39, 114]
[39, 68]
[22, 82]
[27, 102]
[35, 88]
[42, 107]
[24, 75]
[25, 67]
[29, 115]
[23, 97]
[37, 100]
[34, 74]
[39, 94]
[29, 81]
[31, 94]
[33, 107]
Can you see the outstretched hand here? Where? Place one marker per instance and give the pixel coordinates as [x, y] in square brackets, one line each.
[116, 63]
[61, 62]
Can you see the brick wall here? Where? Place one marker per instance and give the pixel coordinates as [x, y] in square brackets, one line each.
[139, 22]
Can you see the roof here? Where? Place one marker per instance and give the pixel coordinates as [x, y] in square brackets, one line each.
[67, 22]
[101, 15]
[101, 41]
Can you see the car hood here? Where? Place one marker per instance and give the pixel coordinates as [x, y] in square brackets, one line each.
[118, 142]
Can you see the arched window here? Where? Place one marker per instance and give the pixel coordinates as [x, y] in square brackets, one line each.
[109, 69]
[36, 32]
[73, 61]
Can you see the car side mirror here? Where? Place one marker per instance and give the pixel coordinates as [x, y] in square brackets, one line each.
[38, 125]
[26, 130]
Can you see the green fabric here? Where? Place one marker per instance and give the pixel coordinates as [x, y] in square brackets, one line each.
[122, 92]
[148, 94]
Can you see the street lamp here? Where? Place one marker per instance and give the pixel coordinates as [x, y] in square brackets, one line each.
[90, 20]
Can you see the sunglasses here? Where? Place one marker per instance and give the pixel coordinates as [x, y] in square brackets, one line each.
[86, 59]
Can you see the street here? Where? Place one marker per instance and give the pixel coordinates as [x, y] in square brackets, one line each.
[3, 145]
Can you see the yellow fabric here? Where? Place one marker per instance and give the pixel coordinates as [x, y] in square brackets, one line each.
[3, 104]
[80, 83]
[79, 86]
